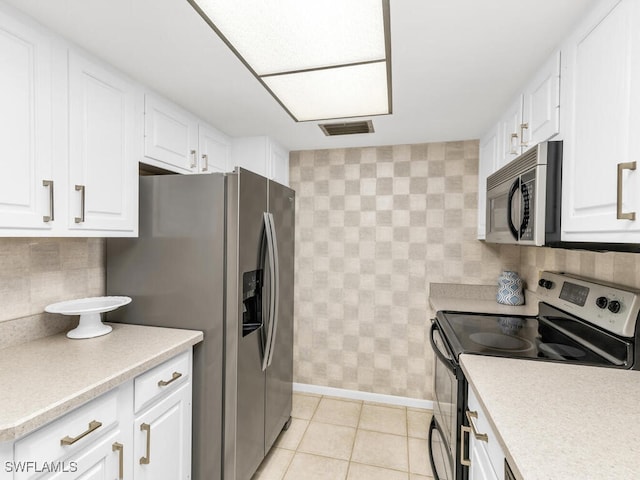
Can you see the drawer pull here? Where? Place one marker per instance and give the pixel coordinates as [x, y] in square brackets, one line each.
[94, 425]
[174, 377]
[480, 436]
[117, 447]
[464, 461]
[50, 217]
[145, 427]
[82, 190]
[620, 215]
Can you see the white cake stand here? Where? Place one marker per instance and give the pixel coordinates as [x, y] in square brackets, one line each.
[89, 310]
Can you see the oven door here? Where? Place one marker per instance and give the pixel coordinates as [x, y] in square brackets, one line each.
[443, 434]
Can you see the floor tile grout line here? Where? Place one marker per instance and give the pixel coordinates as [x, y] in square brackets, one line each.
[353, 445]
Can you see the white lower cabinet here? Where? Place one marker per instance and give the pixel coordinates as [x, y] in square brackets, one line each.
[162, 444]
[106, 439]
[486, 456]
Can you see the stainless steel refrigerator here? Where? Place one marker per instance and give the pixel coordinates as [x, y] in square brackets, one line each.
[215, 253]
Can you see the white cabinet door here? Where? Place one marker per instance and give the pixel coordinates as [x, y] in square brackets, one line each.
[602, 93]
[488, 159]
[509, 127]
[100, 461]
[261, 155]
[162, 438]
[481, 468]
[102, 166]
[213, 150]
[279, 162]
[170, 136]
[25, 127]
[541, 108]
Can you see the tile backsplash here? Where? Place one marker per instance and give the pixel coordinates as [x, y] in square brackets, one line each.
[35, 272]
[374, 227]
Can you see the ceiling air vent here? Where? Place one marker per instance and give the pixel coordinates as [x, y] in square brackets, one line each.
[348, 128]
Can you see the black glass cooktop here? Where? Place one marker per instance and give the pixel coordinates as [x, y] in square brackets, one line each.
[529, 337]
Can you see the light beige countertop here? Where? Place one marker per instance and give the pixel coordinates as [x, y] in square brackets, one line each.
[45, 378]
[477, 298]
[558, 420]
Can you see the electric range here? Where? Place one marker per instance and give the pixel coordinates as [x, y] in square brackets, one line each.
[579, 321]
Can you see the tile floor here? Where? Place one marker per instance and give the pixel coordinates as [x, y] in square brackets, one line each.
[339, 439]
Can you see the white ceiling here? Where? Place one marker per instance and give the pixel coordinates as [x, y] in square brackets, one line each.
[456, 63]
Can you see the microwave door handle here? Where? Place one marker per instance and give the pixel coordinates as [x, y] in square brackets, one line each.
[512, 192]
[447, 361]
[526, 206]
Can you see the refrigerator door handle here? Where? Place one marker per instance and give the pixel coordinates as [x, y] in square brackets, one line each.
[275, 291]
[272, 293]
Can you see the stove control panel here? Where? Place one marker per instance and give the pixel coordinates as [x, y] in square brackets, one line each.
[612, 307]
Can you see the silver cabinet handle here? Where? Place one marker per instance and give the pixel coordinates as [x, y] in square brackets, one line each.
[145, 427]
[480, 436]
[93, 425]
[175, 376]
[50, 217]
[205, 157]
[194, 159]
[118, 447]
[81, 189]
[514, 145]
[620, 215]
[464, 461]
[523, 127]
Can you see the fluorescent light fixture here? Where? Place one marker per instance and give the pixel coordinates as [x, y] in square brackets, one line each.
[320, 60]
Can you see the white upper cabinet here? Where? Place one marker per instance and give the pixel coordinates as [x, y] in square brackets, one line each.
[213, 150]
[534, 115]
[170, 136]
[67, 137]
[261, 155]
[25, 128]
[488, 159]
[102, 164]
[601, 94]
[510, 128]
[177, 141]
[541, 105]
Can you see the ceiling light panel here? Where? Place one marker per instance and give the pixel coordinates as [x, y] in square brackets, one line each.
[333, 93]
[290, 35]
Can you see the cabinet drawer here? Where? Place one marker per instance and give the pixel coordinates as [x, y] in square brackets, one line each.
[68, 434]
[492, 446]
[164, 378]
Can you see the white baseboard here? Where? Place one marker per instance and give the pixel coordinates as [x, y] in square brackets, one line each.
[365, 396]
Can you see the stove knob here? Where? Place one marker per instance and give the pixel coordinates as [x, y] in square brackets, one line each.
[545, 283]
[614, 306]
[602, 302]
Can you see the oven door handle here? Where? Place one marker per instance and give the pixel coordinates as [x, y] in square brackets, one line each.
[447, 361]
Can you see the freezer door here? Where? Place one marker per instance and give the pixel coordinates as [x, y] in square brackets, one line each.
[245, 343]
[280, 365]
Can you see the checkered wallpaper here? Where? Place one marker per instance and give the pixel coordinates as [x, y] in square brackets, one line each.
[374, 227]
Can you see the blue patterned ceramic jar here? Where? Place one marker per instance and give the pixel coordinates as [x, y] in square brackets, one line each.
[510, 289]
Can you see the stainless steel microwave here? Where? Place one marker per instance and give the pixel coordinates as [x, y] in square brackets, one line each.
[524, 198]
